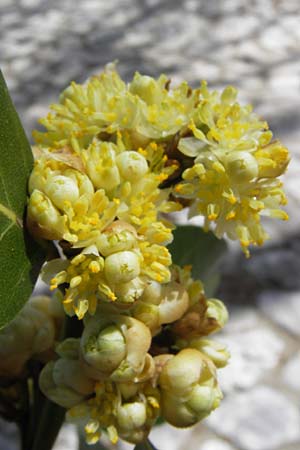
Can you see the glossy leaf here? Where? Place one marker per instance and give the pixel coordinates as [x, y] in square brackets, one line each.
[20, 256]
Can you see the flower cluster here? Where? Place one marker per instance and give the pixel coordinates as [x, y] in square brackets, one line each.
[114, 160]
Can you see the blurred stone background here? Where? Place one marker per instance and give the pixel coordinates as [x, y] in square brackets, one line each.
[254, 45]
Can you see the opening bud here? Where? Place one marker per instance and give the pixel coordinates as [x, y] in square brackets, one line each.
[132, 165]
[121, 267]
[241, 166]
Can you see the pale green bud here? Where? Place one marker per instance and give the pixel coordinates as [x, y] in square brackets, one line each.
[146, 88]
[131, 291]
[69, 348]
[30, 334]
[121, 267]
[216, 315]
[149, 315]
[101, 165]
[115, 346]
[169, 307]
[62, 395]
[118, 237]
[182, 372]
[104, 350]
[152, 293]
[215, 351]
[138, 341]
[174, 303]
[241, 166]
[189, 390]
[69, 373]
[43, 219]
[132, 165]
[131, 415]
[60, 189]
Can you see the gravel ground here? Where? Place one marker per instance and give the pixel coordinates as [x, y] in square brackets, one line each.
[254, 45]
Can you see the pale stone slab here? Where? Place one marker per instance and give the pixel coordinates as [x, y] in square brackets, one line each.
[283, 308]
[290, 374]
[254, 352]
[260, 419]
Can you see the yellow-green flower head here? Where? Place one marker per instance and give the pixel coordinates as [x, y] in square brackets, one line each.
[123, 410]
[93, 280]
[64, 204]
[64, 381]
[233, 179]
[31, 334]
[115, 346]
[147, 108]
[189, 388]
[113, 202]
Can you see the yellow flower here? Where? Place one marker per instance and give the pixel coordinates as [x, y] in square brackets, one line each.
[233, 179]
[146, 107]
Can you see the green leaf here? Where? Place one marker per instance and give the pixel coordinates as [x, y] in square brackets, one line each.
[20, 256]
[192, 245]
[146, 445]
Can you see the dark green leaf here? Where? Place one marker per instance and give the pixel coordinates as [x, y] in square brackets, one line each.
[146, 445]
[20, 256]
[192, 245]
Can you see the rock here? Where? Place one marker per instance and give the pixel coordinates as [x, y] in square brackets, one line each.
[254, 353]
[283, 308]
[290, 373]
[262, 418]
[215, 444]
[67, 438]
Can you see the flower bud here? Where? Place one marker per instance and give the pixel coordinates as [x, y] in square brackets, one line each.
[146, 88]
[152, 293]
[216, 315]
[101, 165]
[173, 303]
[30, 334]
[69, 373]
[103, 351]
[60, 189]
[131, 415]
[119, 236]
[43, 219]
[132, 165]
[121, 267]
[201, 319]
[131, 291]
[215, 351]
[241, 166]
[189, 390]
[63, 395]
[115, 346]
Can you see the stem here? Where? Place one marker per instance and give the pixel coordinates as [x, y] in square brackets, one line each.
[52, 418]
[47, 417]
[145, 445]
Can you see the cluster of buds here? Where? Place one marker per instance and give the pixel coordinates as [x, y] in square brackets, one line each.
[114, 160]
[31, 335]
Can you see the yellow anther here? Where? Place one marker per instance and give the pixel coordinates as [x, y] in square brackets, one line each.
[212, 216]
[94, 267]
[231, 215]
[75, 281]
